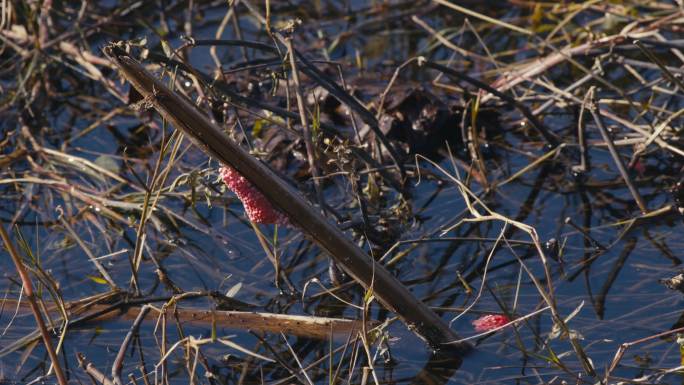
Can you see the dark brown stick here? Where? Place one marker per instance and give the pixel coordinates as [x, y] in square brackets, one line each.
[371, 275]
[660, 64]
[92, 371]
[585, 233]
[28, 289]
[596, 113]
[118, 362]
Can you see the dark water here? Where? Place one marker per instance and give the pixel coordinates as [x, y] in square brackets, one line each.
[616, 291]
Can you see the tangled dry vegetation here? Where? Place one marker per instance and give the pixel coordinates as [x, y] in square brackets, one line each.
[431, 163]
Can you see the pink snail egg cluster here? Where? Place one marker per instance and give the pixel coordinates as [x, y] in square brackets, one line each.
[257, 206]
[490, 322]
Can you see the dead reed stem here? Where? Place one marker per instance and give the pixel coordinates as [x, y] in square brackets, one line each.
[30, 297]
[371, 275]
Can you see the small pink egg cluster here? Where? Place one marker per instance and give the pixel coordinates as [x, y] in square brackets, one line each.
[257, 206]
[490, 322]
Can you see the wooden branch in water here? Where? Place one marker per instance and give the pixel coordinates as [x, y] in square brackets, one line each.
[296, 325]
[183, 115]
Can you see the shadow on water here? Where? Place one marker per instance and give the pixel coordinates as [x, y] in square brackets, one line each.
[439, 368]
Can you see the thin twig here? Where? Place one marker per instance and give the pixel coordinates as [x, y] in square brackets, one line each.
[118, 362]
[92, 371]
[596, 113]
[306, 129]
[30, 297]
